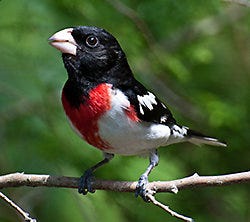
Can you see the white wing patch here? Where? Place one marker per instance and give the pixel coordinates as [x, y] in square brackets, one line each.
[163, 105]
[179, 132]
[163, 119]
[147, 101]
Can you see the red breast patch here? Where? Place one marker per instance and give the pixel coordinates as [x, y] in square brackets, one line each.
[85, 117]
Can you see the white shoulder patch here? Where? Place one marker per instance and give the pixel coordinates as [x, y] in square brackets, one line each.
[147, 101]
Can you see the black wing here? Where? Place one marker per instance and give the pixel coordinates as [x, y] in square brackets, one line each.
[148, 107]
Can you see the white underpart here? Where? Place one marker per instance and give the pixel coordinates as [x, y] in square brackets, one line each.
[64, 41]
[125, 136]
[147, 101]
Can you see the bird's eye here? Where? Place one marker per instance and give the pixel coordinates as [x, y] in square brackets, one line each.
[91, 41]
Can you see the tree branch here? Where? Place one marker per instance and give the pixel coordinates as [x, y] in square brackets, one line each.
[194, 181]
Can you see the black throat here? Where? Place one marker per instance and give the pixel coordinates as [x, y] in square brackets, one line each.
[81, 81]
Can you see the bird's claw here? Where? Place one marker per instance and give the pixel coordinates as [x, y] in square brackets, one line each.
[85, 183]
[141, 188]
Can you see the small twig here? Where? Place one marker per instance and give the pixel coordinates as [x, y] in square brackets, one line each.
[167, 209]
[245, 3]
[24, 214]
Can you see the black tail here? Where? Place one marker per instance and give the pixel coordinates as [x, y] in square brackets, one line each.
[199, 139]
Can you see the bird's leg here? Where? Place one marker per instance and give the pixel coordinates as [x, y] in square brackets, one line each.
[87, 178]
[143, 180]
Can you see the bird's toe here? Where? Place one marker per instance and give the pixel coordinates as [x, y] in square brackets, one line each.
[141, 188]
[85, 183]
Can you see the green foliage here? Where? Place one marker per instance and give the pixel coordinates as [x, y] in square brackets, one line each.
[194, 54]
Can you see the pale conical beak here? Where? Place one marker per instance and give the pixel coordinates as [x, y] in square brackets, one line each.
[64, 41]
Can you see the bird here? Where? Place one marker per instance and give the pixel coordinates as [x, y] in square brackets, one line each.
[111, 110]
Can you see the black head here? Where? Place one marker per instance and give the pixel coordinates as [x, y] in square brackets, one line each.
[89, 51]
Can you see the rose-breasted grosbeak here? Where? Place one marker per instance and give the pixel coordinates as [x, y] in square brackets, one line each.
[109, 108]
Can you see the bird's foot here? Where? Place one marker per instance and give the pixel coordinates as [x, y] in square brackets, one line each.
[85, 183]
[141, 188]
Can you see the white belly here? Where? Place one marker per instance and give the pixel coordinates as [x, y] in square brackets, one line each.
[128, 137]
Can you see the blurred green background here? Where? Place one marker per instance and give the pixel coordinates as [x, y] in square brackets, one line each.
[193, 54]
